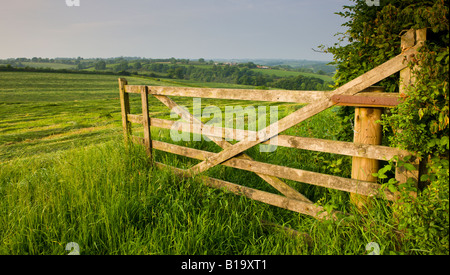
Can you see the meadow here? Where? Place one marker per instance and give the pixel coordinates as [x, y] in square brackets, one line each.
[66, 175]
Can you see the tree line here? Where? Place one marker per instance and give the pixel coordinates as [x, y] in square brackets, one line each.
[240, 73]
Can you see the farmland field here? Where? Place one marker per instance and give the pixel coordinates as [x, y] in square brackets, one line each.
[66, 176]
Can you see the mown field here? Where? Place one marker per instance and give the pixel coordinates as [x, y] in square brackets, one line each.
[67, 176]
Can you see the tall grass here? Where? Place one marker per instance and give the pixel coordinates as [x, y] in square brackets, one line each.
[109, 200]
[66, 176]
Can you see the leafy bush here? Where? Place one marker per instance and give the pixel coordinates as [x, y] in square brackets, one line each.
[421, 123]
[425, 219]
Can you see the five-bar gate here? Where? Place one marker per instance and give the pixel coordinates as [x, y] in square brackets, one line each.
[365, 149]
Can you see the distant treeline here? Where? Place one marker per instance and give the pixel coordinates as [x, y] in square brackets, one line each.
[9, 68]
[307, 66]
[241, 73]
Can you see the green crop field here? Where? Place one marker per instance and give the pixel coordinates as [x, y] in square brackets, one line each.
[67, 176]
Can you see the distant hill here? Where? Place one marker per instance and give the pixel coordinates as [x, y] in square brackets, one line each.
[313, 65]
[272, 73]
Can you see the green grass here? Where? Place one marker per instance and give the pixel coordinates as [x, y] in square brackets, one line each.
[107, 199]
[67, 176]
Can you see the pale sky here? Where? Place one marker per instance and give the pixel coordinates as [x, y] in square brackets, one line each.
[285, 29]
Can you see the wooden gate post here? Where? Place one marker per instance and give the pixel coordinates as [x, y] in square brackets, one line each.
[146, 123]
[367, 131]
[125, 105]
[408, 40]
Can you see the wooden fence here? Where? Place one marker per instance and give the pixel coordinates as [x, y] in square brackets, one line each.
[365, 150]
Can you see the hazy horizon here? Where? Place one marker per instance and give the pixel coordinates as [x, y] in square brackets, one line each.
[210, 29]
[178, 58]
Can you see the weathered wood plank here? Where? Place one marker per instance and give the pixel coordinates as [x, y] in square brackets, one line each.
[238, 94]
[360, 83]
[374, 100]
[319, 145]
[408, 40]
[164, 123]
[125, 107]
[206, 130]
[181, 150]
[390, 95]
[262, 196]
[341, 147]
[133, 89]
[241, 94]
[138, 119]
[146, 123]
[367, 131]
[334, 182]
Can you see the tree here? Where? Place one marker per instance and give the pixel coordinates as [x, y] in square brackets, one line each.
[123, 66]
[321, 72]
[137, 65]
[179, 73]
[100, 65]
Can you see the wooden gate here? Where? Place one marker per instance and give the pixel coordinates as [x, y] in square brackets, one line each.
[358, 92]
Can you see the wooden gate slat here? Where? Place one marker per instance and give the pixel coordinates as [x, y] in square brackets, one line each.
[241, 94]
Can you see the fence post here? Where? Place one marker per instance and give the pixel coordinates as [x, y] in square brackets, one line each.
[409, 39]
[367, 131]
[125, 105]
[146, 122]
